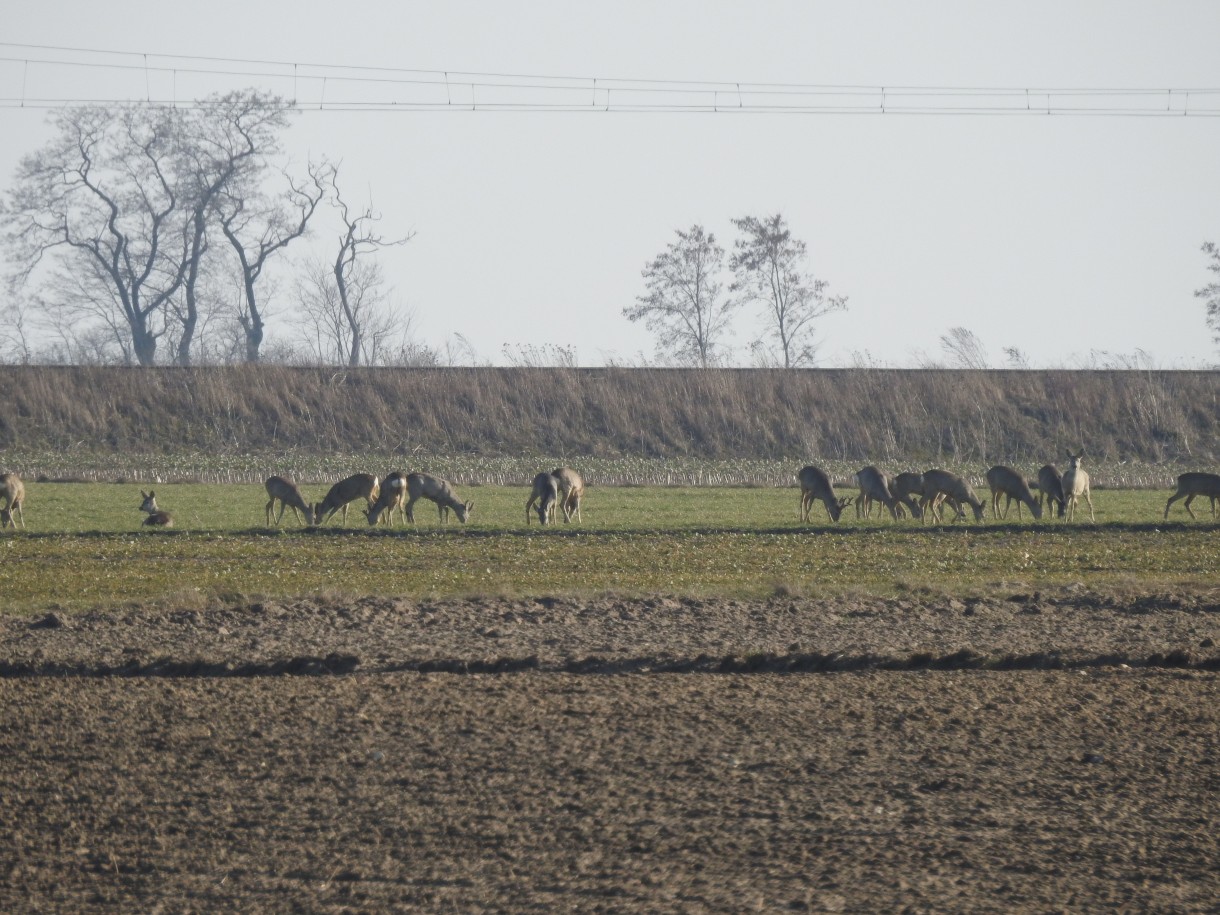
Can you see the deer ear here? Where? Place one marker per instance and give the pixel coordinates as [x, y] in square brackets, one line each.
[470, 505]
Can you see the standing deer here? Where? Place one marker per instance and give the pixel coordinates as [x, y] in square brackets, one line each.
[1075, 485]
[1196, 484]
[392, 497]
[348, 490]
[1050, 488]
[1004, 481]
[286, 492]
[815, 484]
[156, 517]
[425, 486]
[874, 487]
[12, 494]
[941, 486]
[907, 487]
[571, 491]
[546, 494]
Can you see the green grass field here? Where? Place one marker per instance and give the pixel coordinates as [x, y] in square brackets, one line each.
[85, 547]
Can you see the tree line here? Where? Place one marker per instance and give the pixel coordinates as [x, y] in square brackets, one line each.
[145, 233]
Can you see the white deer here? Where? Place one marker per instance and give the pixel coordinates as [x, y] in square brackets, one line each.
[571, 491]
[1075, 485]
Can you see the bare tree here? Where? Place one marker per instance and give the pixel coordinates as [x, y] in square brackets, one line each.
[101, 201]
[226, 143]
[365, 323]
[1210, 294]
[964, 349]
[257, 227]
[358, 240]
[769, 266]
[683, 305]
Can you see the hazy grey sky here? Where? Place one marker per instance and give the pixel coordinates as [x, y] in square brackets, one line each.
[1059, 235]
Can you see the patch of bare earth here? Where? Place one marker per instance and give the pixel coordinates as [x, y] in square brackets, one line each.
[1038, 752]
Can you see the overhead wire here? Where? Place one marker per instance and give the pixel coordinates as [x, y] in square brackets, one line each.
[533, 92]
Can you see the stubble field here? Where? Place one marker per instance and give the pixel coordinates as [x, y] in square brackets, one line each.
[689, 702]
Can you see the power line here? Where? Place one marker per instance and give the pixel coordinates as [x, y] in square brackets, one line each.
[346, 88]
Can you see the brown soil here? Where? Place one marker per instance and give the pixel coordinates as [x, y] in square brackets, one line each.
[1041, 752]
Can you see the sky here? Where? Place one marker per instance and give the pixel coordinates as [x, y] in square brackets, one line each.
[1073, 238]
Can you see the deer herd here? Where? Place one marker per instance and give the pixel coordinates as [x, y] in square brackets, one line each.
[921, 495]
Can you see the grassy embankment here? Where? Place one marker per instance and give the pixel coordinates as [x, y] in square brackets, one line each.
[84, 547]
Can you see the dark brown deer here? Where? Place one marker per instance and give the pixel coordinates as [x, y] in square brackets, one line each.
[907, 488]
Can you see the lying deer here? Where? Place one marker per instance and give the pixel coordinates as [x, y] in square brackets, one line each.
[12, 495]
[391, 498]
[941, 486]
[1004, 481]
[156, 517]
[815, 484]
[425, 486]
[571, 491]
[1075, 485]
[286, 493]
[546, 494]
[358, 485]
[1050, 488]
[1196, 484]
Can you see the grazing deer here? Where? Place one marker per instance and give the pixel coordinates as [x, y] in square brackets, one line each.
[392, 497]
[1004, 481]
[286, 492]
[1050, 488]
[1196, 484]
[907, 487]
[571, 491]
[1075, 485]
[156, 517]
[348, 490]
[546, 494]
[941, 486]
[815, 484]
[425, 486]
[874, 487]
[12, 494]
